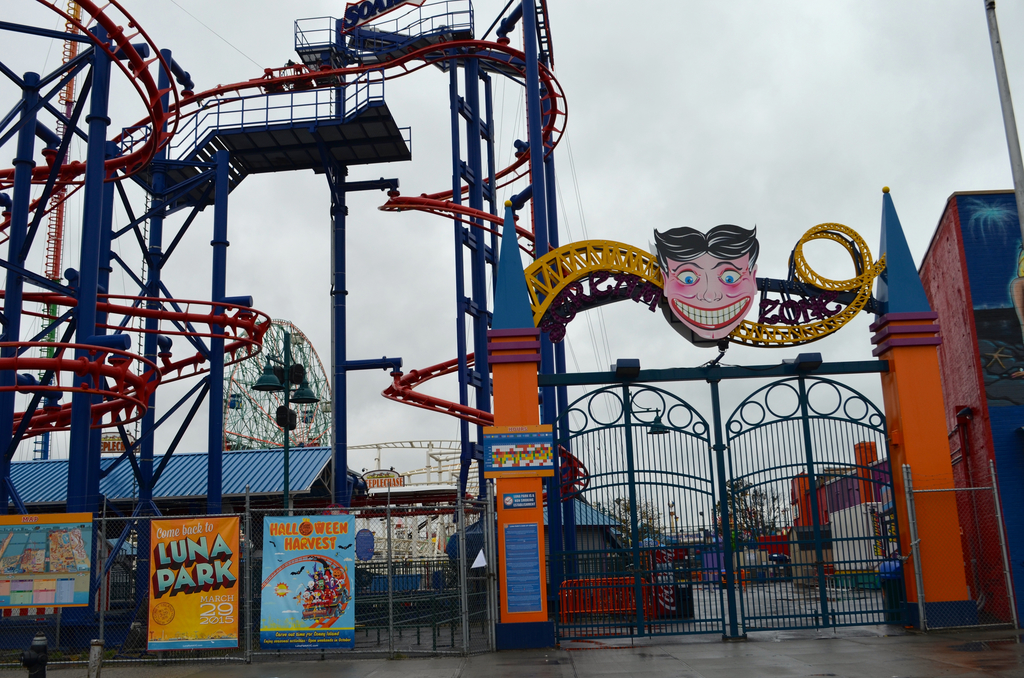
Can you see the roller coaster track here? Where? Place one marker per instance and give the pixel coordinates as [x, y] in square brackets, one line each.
[112, 17]
[148, 136]
[127, 397]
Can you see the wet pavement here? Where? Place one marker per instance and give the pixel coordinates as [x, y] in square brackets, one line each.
[864, 652]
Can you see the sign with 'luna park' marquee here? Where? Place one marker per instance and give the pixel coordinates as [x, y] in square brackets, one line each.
[706, 285]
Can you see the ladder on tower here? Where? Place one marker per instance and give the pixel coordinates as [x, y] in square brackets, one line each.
[547, 53]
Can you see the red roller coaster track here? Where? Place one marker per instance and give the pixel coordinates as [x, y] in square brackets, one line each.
[242, 329]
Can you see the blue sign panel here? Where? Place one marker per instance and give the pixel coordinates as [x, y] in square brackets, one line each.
[522, 568]
[364, 544]
[518, 451]
[518, 500]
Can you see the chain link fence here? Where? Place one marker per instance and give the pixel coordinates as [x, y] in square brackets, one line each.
[982, 540]
[426, 585]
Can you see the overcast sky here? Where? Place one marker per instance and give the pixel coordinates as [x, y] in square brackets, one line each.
[781, 115]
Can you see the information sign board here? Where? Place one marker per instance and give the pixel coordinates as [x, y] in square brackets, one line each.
[522, 568]
[45, 560]
[518, 451]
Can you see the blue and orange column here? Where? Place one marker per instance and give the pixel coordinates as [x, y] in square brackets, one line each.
[906, 334]
[513, 347]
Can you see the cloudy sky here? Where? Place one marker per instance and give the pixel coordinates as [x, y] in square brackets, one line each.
[781, 115]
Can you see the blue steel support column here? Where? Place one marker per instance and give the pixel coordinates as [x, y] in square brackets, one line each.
[466, 456]
[103, 283]
[83, 463]
[215, 454]
[339, 381]
[541, 246]
[23, 164]
[478, 271]
[156, 234]
[568, 526]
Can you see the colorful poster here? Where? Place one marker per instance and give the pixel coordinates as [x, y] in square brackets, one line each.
[45, 559]
[518, 451]
[193, 584]
[307, 582]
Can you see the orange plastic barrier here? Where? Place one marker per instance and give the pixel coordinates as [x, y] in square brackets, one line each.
[608, 595]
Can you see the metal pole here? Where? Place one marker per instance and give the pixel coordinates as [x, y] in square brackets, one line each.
[150, 348]
[23, 164]
[723, 503]
[915, 545]
[391, 585]
[248, 579]
[492, 566]
[463, 593]
[287, 419]
[83, 462]
[1002, 543]
[215, 432]
[103, 571]
[634, 509]
[812, 483]
[1009, 122]
[339, 350]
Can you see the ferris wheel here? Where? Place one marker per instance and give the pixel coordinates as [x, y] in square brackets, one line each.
[250, 415]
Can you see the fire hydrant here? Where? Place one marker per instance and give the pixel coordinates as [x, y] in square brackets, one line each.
[34, 658]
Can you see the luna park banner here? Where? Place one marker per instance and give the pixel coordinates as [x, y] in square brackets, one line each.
[307, 596]
[193, 592]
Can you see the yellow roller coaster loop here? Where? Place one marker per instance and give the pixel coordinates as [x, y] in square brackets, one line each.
[550, 275]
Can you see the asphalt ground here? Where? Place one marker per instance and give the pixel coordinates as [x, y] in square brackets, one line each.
[861, 652]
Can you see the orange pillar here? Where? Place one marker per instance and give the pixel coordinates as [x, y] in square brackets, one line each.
[518, 453]
[906, 335]
[513, 355]
[915, 416]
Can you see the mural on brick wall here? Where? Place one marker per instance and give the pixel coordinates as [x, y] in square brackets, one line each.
[995, 268]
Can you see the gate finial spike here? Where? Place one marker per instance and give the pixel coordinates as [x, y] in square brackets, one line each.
[899, 288]
[511, 297]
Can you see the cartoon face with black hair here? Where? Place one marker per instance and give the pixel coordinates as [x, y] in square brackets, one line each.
[709, 278]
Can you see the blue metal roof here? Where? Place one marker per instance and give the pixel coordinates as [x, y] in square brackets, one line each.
[45, 482]
[587, 516]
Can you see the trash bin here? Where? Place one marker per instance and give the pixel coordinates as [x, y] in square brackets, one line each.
[684, 601]
[890, 578]
[780, 566]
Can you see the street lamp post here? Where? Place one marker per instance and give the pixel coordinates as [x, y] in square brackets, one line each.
[293, 375]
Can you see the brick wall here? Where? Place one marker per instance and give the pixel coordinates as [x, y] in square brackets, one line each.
[944, 275]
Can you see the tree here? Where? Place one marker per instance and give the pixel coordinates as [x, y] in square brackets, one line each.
[649, 523]
[753, 511]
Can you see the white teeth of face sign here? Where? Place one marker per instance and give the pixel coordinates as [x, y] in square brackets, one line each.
[711, 318]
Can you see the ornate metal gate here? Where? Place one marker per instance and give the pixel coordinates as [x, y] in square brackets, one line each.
[643, 511]
[803, 538]
[811, 506]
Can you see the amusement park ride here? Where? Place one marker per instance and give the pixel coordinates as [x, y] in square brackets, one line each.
[100, 357]
[113, 351]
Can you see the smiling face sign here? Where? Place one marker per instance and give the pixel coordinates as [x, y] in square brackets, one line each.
[709, 281]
